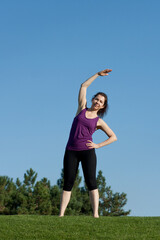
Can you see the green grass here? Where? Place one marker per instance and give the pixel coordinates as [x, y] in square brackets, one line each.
[79, 228]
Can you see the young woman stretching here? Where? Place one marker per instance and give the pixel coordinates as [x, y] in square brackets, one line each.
[80, 146]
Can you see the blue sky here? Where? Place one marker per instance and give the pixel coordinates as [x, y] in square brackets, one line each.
[47, 49]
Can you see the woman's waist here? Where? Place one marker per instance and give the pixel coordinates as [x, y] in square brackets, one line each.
[78, 144]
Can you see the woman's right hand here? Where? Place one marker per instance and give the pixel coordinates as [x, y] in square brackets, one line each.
[104, 72]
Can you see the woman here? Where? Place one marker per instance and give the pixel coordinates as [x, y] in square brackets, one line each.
[80, 146]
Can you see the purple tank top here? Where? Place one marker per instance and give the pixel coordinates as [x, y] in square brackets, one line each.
[81, 131]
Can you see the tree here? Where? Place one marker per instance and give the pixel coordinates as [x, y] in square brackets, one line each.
[7, 188]
[55, 193]
[86, 208]
[110, 204]
[31, 197]
[42, 197]
[29, 184]
[19, 199]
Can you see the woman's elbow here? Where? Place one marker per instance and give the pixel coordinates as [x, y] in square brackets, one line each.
[115, 138]
[84, 85]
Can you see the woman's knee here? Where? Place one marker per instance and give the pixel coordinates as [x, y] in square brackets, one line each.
[68, 184]
[67, 187]
[91, 185]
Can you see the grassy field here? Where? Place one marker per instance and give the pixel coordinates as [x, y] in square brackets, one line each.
[79, 228]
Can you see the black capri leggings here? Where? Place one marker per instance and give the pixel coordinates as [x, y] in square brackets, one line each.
[71, 163]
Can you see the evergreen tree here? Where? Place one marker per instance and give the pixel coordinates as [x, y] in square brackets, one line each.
[7, 188]
[55, 193]
[29, 184]
[110, 204]
[18, 204]
[31, 197]
[86, 208]
[3, 182]
[42, 197]
[20, 198]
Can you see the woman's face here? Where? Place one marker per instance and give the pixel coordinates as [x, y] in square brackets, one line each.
[98, 102]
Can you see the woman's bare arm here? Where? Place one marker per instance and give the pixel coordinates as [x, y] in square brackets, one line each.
[82, 93]
[83, 89]
[104, 127]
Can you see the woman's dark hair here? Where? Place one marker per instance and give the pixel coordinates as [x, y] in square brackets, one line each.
[104, 110]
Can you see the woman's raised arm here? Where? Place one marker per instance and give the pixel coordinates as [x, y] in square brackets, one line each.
[83, 89]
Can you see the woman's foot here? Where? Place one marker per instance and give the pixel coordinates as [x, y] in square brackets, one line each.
[96, 216]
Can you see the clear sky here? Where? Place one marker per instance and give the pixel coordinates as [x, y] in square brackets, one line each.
[47, 49]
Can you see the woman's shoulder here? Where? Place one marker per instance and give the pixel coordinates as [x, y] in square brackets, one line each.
[100, 122]
[100, 119]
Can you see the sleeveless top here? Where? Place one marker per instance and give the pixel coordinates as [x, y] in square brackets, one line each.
[81, 131]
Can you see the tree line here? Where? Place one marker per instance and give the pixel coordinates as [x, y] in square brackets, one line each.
[39, 197]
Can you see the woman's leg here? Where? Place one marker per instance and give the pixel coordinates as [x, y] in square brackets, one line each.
[94, 198]
[70, 167]
[89, 163]
[65, 197]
